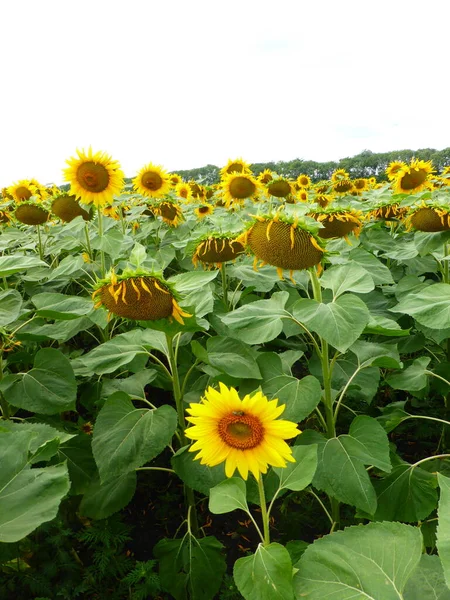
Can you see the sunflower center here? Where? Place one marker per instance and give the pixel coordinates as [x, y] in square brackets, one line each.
[93, 177]
[241, 431]
[413, 179]
[242, 187]
[152, 181]
[235, 168]
[23, 193]
[203, 209]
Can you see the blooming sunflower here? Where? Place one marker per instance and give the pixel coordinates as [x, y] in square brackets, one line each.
[280, 187]
[238, 165]
[338, 175]
[237, 187]
[322, 187]
[245, 434]
[5, 217]
[152, 181]
[303, 195]
[6, 195]
[216, 249]
[198, 191]
[184, 191]
[265, 176]
[393, 169]
[446, 170]
[175, 179]
[67, 207]
[94, 178]
[22, 190]
[170, 212]
[361, 185]
[413, 178]
[138, 295]
[304, 181]
[204, 210]
[323, 200]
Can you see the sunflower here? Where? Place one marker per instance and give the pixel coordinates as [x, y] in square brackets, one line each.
[304, 181]
[338, 222]
[339, 174]
[31, 213]
[152, 181]
[323, 200]
[237, 165]
[372, 181]
[184, 191]
[393, 169]
[22, 190]
[237, 187]
[303, 195]
[170, 212]
[217, 249]
[245, 434]
[280, 188]
[361, 185]
[280, 242]
[446, 170]
[112, 212]
[322, 187]
[388, 211]
[5, 217]
[175, 179]
[429, 217]
[343, 186]
[6, 195]
[67, 207]
[413, 178]
[198, 191]
[94, 178]
[42, 193]
[265, 176]
[204, 210]
[139, 296]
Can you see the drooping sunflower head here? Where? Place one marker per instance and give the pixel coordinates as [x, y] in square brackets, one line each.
[204, 210]
[236, 187]
[22, 190]
[393, 169]
[322, 187]
[245, 434]
[170, 212]
[338, 222]
[31, 213]
[265, 176]
[67, 207]
[304, 181]
[198, 190]
[343, 186]
[339, 174]
[184, 191]
[322, 200]
[139, 296]
[94, 177]
[152, 181]
[388, 211]
[430, 217]
[217, 248]
[413, 178]
[280, 187]
[283, 242]
[238, 165]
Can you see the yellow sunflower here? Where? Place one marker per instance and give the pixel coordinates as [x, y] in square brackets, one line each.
[393, 169]
[175, 179]
[338, 175]
[265, 176]
[198, 191]
[204, 210]
[94, 178]
[280, 187]
[338, 222]
[170, 212]
[343, 186]
[303, 195]
[237, 187]
[245, 434]
[238, 165]
[6, 195]
[361, 185]
[139, 296]
[413, 178]
[304, 181]
[430, 218]
[152, 181]
[184, 191]
[322, 187]
[22, 190]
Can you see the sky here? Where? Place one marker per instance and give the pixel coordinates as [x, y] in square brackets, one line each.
[184, 83]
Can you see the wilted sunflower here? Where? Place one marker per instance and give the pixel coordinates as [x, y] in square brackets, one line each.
[170, 212]
[204, 210]
[22, 190]
[216, 249]
[238, 165]
[237, 187]
[393, 169]
[184, 191]
[388, 211]
[429, 217]
[245, 434]
[67, 207]
[338, 222]
[265, 176]
[343, 186]
[339, 175]
[283, 243]
[304, 181]
[31, 213]
[152, 181]
[279, 187]
[413, 178]
[139, 296]
[94, 178]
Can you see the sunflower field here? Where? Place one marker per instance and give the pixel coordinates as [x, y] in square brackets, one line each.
[230, 391]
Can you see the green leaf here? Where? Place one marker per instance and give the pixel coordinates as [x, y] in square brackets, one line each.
[443, 530]
[49, 388]
[15, 263]
[430, 306]
[192, 281]
[266, 575]
[195, 475]
[407, 494]
[392, 415]
[42, 433]
[191, 568]
[102, 500]
[364, 385]
[262, 280]
[427, 581]
[301, 396]
[60, 306]
[376, 355]
[340, 323]
[62, 331]
[296, 476]
[259, 321]
[380, 325]
[77, 452]
[28, 496]
[414, 378]
[232, 357]
[227, 496]
[367, 440]
[370, 562]
[10, 305]
[70, 267]
[350, 277]
[126, 437]
[379, 272]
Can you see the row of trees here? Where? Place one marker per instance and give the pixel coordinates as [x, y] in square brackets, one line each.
[365, 164]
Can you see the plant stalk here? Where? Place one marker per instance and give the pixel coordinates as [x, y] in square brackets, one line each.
[41, 250]
[264, 514]
[100, 235]
[223, 273]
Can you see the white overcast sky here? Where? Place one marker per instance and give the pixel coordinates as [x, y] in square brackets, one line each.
[184, 83]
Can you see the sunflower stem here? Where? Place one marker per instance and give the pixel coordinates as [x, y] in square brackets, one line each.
[41, 250]
[4, 406]
[88, 241]
[223, 272]
[100, 235]
[264, 514]
[445, 270]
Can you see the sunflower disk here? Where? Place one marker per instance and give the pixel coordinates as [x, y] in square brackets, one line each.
[31, 214]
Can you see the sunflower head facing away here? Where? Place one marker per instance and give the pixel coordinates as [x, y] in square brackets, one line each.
[217, 249]
[413, 178]
[170, 212]
[67, 208]
[388, 211]
[343, 186]
[338, 222]
[245, 434]
[280, 188]
[94, 178]
[152, 181]
[31, 213]
[139, 296]
[430, 218]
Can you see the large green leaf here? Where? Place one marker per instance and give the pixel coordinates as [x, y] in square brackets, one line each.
[197, 476]
[232, 357]
[370, 562]
[378, 271]
[296, 476]
[228, 496]
[77, 452]
[49, 388]
[266, 575]
[191, 568]
[60, 306]
[126, 437]
[340, 323]
[427, 581]
[10, 305]
[350, 277]
[15, 263]
[413, 378]
[443, 530]
[257, 322]
[430, 306]
[102, 500]
[28, 496]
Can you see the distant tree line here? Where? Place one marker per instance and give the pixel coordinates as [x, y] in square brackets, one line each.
[365, 164]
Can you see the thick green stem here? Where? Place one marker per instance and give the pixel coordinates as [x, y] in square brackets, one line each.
[4, 406]
[41, 250]
[264, 514]
[223, 273]
[100, 235]
[88, 241]
[446, 268]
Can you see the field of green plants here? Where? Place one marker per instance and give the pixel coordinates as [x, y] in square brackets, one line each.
[224, 392]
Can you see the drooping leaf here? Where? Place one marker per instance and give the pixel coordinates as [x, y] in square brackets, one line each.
[15, 263]
[60, 306]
